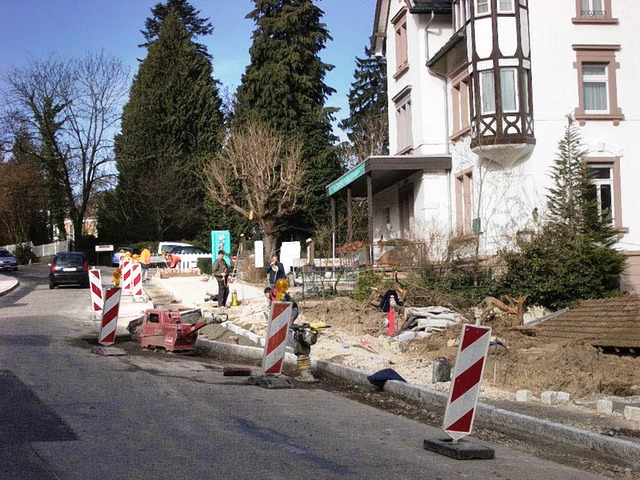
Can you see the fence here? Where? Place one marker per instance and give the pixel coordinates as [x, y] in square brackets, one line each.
[326, 280]
[46, 250]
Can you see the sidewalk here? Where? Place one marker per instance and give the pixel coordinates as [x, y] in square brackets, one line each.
[192, 290]
[7, 284]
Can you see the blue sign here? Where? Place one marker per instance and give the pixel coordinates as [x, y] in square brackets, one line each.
[220, 240]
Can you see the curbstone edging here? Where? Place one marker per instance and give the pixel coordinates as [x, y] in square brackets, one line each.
[487, 415]
[14, 284]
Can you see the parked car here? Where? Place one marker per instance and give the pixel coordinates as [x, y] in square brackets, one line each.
[115, 260]
[69, 268]
[188, 249]
[7, 260]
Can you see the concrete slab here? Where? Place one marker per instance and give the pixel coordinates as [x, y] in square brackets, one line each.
[461, 450]
[523, 395]
[604, 406]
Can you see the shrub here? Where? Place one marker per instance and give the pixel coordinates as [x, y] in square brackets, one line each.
[205, 265]
[556, 269]
[24, 255]
[366, 280]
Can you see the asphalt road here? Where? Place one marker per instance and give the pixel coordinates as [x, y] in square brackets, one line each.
[66, 413]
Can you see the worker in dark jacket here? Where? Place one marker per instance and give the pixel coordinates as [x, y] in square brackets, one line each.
[220, 271]
[275, 271]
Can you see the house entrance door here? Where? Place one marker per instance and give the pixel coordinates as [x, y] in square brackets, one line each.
[405, 200]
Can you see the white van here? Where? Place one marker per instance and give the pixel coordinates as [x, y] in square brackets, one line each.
[168, 246]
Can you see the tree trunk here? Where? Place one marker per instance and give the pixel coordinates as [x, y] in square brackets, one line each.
[269, 239]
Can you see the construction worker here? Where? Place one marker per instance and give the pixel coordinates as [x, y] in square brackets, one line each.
[145, 263]
[220, 271]
[173, 260]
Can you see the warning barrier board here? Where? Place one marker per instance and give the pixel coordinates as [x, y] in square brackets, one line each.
[467, 378]
[276, 339]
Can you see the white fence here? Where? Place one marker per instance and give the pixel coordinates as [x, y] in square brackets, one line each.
[46, 250]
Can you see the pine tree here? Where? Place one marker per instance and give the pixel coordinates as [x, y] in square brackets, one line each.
[172, 120]
[284, 86]
[572, 257]
[571, 202]
[189, 16]
[367, 126]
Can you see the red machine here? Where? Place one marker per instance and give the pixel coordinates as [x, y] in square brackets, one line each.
[166, 329]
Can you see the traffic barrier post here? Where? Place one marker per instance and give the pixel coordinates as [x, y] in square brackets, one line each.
[97, 300]
[463, 397]
[110, 316]
[276, 338]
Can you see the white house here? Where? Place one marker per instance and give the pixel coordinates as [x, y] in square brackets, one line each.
[479, 92]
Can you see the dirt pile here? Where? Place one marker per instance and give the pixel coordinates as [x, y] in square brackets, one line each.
[357, 339]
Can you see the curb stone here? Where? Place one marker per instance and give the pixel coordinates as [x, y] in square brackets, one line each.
[488, 416]
[10, 288]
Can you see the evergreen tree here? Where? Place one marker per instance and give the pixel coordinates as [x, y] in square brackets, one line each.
[571, 257]
[189, 16]
[172, 120]
[284, 86]
[367, 126]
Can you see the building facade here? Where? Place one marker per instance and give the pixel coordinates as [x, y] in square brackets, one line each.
[479, 94]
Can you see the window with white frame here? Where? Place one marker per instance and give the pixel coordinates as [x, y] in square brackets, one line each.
[508, 89]
[487, 92]
[601, 179]
[461, 13]
[482, 7]
[596, 67]
[595, 87]
[505, 6]
[404, 124]
[594, 12]
[592, 9]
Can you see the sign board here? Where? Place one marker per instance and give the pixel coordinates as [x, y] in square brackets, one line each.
[104, 248]
[349, 177]
[465, 386]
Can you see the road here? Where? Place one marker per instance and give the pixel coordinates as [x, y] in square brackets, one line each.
[66, 413]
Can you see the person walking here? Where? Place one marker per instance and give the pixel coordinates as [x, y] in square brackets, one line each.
[220, 270]
[145, 263]
[275, 271]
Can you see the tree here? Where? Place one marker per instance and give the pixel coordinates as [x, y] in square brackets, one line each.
[70, 108]
[172, 120]
[22, 189]
[189, 17]
[267, 168]
[284, 86]
[571, 258]
[367, 126]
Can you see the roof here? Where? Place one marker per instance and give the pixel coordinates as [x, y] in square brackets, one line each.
[385, 171]
[428, 6]
[606, 322]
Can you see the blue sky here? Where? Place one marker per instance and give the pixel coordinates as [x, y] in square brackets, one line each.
[73, 27]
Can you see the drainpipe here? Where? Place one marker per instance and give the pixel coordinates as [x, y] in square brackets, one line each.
[446, 123]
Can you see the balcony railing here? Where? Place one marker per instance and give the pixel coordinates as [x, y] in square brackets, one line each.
[592, 13]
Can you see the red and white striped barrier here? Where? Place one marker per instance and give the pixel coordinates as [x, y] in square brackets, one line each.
[467, 378]
[277, 331]
[136, 281]
[95, 281]
[110, 316]
[126, 275]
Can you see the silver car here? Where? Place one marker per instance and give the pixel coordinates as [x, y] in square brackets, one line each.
[7, 260]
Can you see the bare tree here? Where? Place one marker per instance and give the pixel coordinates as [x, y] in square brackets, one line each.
[72, 107]
[259, 175]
